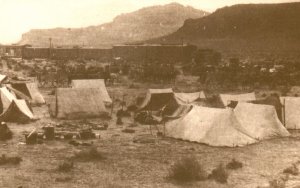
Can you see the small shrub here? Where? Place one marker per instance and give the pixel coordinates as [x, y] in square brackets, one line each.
[66, 166]
[219, 174]
[234, 164]
[187, 169]
[91, 154]
[10, 160]
[293, 170]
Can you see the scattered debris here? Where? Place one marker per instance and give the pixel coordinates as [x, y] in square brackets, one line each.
[31, 138]
[128, 131]
[86, 134]
[49, 132]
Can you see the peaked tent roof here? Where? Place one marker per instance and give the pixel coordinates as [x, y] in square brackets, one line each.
[156, 99]
[190, 97]
[6, 98]
[227, 98]
[292, 112]
[2, 78]
[29, 89]
[93, 83]
[260, 121]
[76, 103]
[212, 126]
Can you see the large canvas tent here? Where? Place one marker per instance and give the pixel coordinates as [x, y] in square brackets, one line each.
[79, 103]
[30, 90]
[6, 98]
[260, 121]
[156, 99]
[227, 98]
[190, 97]
[291, 112]
[93, 83]
[212, 126]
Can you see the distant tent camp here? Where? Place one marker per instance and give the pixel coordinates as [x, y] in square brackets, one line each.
[156, 99]
[13, 109]
[190, 97]
[78, 103]
[292, 112]
[228, 98]
[30, 90]
[212, 126]
[93, 83]
[260, 121]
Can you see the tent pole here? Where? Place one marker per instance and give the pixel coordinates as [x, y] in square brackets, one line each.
[284, 112]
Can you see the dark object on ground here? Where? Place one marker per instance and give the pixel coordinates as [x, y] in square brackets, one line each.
[31, 138]
[219, 174]
[49, 132]
[66, 166]
[160, 134]
[119, 121]
[234, 164]
[87, 134]
[128, 131]
[132, 108]
[68, 136]
[91, 154]
[74, 143]
[293, 170]
[186, 170]
[63, 179]
[5, 132]
[144, 139]
[102, 126]
[145, 118]
[10, 160]
[86, 144]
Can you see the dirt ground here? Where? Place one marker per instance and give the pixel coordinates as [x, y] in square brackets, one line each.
[131, 164]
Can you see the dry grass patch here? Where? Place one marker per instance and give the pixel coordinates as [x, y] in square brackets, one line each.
[91, 154]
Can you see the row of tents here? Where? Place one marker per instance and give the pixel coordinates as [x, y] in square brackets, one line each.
[243, 119]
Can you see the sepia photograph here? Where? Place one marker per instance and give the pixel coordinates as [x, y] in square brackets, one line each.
[150, 93]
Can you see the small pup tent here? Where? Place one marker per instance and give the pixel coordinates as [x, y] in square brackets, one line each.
[79, 103]
[291, 111]
[190, 97]
[227, 98]
[156, 99]
[12, 109]
[260, 121]
[93, 83]
[212, 126]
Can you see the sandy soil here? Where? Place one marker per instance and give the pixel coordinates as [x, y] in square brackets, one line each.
[131, 164]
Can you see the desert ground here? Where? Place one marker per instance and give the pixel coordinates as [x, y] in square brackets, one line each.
[139, 159]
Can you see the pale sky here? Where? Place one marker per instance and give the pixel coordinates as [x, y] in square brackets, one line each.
[19, 16]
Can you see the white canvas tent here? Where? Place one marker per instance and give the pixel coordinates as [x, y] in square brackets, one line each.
[190, 97]
[227, 98]
[291, 111]
[77, 103]
[212, 126]
[93, 83]
[260, 121]
[15, 110]
[2, 78]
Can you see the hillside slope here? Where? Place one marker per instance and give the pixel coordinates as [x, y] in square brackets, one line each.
[247, 28]
[146, 23]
